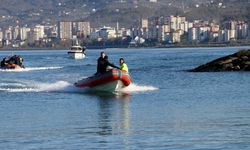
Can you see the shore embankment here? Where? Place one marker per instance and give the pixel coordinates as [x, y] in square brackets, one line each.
[239, 61]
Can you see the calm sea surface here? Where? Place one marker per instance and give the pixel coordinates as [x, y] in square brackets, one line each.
[165, 107]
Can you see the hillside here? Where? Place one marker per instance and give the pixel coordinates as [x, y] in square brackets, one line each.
[108, 12]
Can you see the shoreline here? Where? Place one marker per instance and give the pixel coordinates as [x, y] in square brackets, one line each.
[122, 47]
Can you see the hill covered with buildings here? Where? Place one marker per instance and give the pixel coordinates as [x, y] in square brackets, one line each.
[113, 23]
[108, 12]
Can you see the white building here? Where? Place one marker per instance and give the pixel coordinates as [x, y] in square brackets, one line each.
[176, 21]
[232, 34]
[24, 32]
[38, 32]
[185, 26]
[145, 26]
[176, 36]
[144, 23]
[65, 30]
[1, 37]
[7, 36]
[229, 35]
[15, 32]
[193, 34]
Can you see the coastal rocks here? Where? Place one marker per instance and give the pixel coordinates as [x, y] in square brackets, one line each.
[239, 61]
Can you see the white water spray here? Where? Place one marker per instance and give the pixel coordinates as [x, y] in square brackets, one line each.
[62, 87]
[138, 88]
[29, 69]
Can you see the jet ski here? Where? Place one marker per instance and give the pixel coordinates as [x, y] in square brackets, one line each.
[12, 62]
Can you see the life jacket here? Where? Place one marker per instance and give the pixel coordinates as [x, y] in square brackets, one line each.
[124, 67]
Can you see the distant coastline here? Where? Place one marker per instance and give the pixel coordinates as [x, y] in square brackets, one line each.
[131, 47]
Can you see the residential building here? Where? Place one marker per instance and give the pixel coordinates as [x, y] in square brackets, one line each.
[1, 35]
[176, 21]
[221, 37]
[38, 32]
[83, 29]
[144, 23]
[248, 31]
[24, 32]
[7, 36]
[214, 36]
[1, 38]
[203, 33]
[244, 30]
[214, 27]
[144, 27]
[185, 26]
[15, 33]
[65, 30]
[153, 32]
[134, 32]
[164, 32]
[193, 34]
[230, 25]
[94, 34]
[176, 36]
[107, 33]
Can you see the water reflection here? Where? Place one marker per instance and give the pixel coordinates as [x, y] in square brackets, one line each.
[105, 118]
[114, 114]
[109, 96]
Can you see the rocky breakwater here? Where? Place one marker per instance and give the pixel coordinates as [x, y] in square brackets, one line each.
[239, 61]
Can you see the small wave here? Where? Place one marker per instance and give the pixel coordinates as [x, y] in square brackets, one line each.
[29, 69]
[138, 88]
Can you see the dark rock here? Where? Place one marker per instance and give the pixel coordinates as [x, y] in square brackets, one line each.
[239, 61]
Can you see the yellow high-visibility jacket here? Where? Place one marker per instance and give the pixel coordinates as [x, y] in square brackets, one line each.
[124, 67]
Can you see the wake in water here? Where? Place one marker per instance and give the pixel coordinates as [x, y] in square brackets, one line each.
[138, 88]
[29, 69]
[61, 86]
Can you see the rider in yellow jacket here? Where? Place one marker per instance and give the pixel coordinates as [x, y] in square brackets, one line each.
[123, 65]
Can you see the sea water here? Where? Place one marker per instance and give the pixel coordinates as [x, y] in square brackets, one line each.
[166, 107]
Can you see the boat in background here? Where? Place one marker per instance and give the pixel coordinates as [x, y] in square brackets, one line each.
[12, 62]
[111, 81]
[76, 51]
